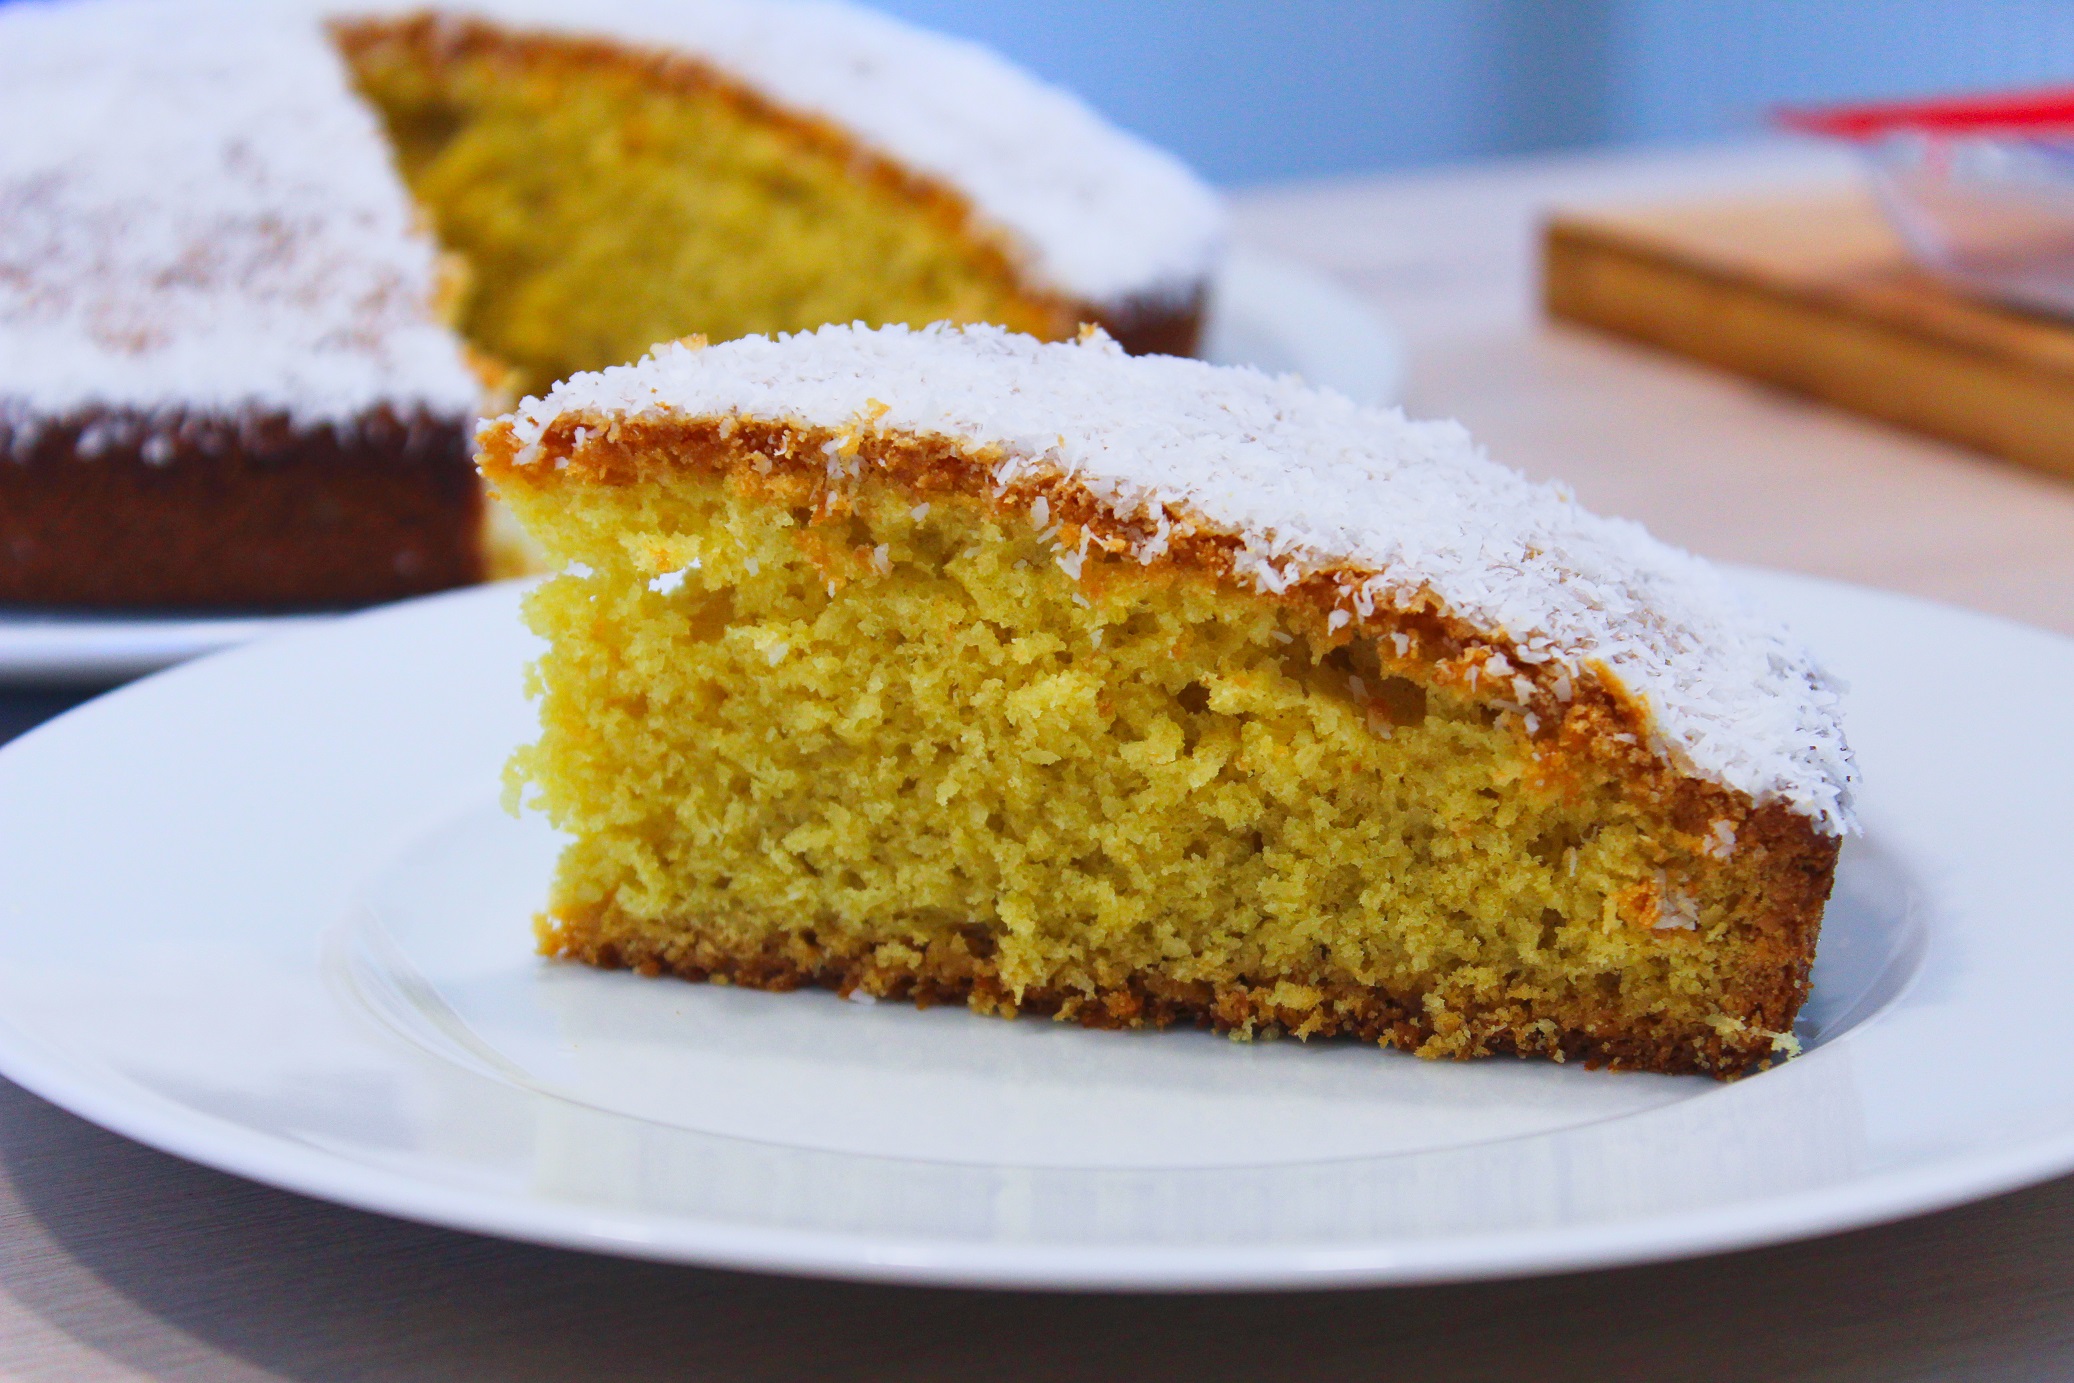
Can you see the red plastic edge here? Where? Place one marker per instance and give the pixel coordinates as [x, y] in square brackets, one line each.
[2029, 112]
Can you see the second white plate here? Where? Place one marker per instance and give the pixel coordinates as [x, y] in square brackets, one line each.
[263, 912]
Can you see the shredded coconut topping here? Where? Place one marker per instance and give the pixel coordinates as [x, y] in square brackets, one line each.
[1308, 482]
[195, 212]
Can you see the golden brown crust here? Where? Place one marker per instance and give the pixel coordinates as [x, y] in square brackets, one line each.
[106, 508]
[1143, 327]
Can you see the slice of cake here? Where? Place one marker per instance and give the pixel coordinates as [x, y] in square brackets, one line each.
[235, 369]
[954, 665]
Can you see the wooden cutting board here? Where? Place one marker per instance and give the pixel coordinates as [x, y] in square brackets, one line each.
[1816, 294]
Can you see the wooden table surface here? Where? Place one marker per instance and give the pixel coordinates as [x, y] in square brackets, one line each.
[117, 1262]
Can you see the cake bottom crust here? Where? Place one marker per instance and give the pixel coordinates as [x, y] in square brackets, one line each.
[957, 968]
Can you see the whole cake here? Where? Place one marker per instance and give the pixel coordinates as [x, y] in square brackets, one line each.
[952, 664]
[235, 368]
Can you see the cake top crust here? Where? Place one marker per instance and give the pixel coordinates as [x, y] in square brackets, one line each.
[197, 213]
[1306, 482]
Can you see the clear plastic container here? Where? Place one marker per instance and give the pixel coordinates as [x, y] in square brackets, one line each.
[1981, 190]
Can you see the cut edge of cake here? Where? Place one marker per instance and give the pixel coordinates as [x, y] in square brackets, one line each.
[1094, 213]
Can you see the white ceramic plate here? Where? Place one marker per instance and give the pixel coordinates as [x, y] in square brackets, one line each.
[263, 911]
[1263, 311]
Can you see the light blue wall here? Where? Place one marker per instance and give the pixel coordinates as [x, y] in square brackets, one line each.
[1256, 89]
[1250, 90]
